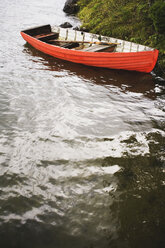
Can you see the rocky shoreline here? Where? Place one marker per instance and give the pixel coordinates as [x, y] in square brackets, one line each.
[71, 8]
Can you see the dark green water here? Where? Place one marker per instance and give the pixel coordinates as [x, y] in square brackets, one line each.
[81, 149]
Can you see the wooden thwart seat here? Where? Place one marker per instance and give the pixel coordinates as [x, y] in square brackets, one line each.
[46, 37]
[100, 48]
[69, 45]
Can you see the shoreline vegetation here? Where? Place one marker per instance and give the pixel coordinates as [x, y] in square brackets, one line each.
[139, 21]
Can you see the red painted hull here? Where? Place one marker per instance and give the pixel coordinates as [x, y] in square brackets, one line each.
[135, 61]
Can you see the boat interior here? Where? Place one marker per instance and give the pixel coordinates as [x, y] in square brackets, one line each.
[77, 40]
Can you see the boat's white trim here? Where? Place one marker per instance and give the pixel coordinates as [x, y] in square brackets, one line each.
[125, 46]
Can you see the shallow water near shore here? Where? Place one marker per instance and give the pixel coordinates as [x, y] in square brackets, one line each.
[81, 149]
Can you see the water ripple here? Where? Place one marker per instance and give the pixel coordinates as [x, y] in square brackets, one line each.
[81, 149]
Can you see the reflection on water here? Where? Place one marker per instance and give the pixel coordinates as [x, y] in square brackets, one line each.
[81, 148]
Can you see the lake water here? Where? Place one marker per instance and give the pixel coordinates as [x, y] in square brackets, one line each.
[81, 149]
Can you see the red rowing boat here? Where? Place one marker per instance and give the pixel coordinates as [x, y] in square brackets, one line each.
[86, 48]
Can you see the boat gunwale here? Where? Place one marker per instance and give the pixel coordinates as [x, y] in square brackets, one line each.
[73, 51]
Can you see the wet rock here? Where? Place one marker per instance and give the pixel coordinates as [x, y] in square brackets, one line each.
[81, 29]
[76, 28]
[66, 25]
[71, 7]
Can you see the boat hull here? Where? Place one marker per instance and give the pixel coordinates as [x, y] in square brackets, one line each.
[143, 61]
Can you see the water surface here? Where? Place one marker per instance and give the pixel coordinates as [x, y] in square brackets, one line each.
[81, 149]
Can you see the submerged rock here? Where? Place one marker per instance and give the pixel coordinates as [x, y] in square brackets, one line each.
[71, 7]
